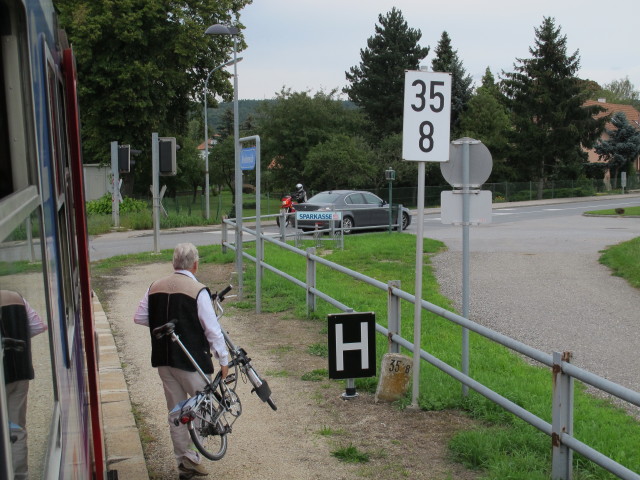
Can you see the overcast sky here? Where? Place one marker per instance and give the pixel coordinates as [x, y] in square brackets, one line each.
[310, 44]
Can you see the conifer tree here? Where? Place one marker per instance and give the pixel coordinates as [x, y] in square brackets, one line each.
[546, 101]
[447, 60]
[621, 148]
[377, 84]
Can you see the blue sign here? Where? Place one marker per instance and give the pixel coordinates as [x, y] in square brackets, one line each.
[248, 158]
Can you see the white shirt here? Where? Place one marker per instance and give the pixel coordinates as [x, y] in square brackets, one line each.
[36, 325]
[206, 315]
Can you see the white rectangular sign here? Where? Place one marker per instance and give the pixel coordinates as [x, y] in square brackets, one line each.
[319, 216]
[427, 114]
[480, 207]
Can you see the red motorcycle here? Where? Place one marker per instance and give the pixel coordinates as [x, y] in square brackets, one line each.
[287, 208]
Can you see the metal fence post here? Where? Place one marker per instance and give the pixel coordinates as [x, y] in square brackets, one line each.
[561, 418]
[393, 315]
[283, 219]
[311, 280]
[259, 270]
[225, 235]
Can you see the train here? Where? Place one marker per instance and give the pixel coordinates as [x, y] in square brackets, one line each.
[44, 261]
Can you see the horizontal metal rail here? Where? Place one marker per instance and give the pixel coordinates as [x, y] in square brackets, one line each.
[475, 385]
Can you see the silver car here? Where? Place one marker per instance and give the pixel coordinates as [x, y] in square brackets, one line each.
[359, 209]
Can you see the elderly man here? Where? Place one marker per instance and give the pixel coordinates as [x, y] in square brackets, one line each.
[180, 296]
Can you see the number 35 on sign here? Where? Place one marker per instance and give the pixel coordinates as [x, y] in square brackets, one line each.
[427, 112]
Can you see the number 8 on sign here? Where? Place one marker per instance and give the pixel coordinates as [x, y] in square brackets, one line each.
[427, 112]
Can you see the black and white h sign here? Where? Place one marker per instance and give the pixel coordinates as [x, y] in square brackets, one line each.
[352, 345]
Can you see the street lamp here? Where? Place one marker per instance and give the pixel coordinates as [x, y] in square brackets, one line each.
[234, 31]
[206, 134]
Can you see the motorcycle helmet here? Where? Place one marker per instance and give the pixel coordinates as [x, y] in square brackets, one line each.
[299, 187]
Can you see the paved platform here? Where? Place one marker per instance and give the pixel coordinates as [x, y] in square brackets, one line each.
[122, 438]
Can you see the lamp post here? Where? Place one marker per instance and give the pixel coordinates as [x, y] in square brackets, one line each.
[390, 176]
[234, 31]
[206, 134]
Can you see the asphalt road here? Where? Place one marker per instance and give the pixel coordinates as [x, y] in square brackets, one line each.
[120, 243]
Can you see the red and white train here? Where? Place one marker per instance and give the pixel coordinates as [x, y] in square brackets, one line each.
[44, 251]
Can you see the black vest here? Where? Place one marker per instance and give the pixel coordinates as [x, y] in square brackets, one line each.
[175, 298]
[14, 323]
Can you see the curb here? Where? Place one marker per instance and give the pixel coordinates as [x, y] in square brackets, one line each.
[122, 440]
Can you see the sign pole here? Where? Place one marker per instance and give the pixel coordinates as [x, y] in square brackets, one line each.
[115, 185]
[417, 312]
[425, 138]
[466, 206]
[155, 173]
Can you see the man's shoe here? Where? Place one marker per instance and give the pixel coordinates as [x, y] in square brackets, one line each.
[187, 467]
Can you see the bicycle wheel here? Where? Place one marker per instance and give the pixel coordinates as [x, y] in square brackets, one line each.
[207, 431]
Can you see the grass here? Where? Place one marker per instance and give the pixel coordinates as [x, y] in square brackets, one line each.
[326, 431]
[629, 211]
[319, 350]
[351, 454]
[503, 445]
[315, 375]
[624, 260]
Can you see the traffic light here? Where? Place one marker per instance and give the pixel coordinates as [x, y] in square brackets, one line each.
[124, 158]
[167, 155]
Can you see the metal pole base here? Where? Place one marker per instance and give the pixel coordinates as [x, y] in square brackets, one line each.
[350, 390]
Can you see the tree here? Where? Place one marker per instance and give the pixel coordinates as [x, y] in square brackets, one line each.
[340, 161]
[140, 64]
[447, 60]
[623, 90]
[296, 123]
[377, 84]
[487, 119]
[622, 147]
[550, 123]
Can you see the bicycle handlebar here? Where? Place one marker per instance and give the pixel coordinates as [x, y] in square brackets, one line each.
[220, 296]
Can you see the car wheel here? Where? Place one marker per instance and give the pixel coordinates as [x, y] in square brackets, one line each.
[406, 220]
[347, 225]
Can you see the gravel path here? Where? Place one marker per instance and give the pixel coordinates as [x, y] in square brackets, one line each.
[549, 290]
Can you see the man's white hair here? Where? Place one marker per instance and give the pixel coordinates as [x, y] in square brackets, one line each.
[185, 255]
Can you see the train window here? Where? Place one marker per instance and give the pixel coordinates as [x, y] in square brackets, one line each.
[63, 194]
[22, 277]
[17, 142]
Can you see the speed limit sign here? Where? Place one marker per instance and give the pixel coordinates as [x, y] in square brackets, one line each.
[427, 112]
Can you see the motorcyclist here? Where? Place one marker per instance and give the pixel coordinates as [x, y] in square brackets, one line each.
[299, 195]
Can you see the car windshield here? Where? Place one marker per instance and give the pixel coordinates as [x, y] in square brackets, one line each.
[325, 197]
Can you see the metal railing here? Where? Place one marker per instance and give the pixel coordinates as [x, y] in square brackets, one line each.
[561, 427]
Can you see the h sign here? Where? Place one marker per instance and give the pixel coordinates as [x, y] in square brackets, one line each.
[352, 345]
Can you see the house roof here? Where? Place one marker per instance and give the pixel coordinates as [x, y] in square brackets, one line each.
[212, 142]
[630, 112]
[633, 116]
